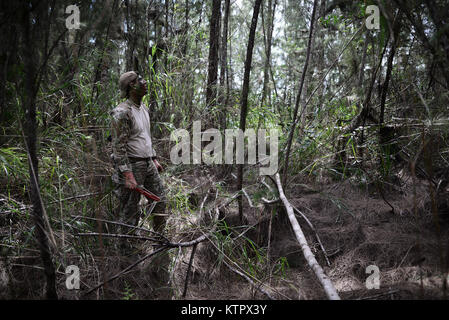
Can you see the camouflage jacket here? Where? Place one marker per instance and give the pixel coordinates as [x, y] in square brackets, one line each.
[131, 136]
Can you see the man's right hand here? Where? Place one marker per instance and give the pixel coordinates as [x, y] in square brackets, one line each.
[130, 181]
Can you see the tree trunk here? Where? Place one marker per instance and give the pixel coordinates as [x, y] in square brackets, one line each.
[186, 28]
[224, 84]
[130, 39]
[307, 80]
[385, 133]
[394, 41]
[212, 70]
[29, 105]
[298, 98]
[245, 92]
[268, 35]
[321, 61]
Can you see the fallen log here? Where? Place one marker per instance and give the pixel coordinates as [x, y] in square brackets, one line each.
[329, 288]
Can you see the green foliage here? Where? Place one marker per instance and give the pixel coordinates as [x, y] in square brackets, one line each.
[246, 253]
[128, 293]
[281, 266]
[14, 169]
[178, 195]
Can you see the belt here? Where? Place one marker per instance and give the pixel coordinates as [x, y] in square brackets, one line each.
[134, 159]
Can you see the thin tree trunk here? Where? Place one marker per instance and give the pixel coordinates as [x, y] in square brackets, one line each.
[103, 65]
[29, 105]
[129, 39]
[212, 70]
[361, 75]
[321, 62]
[307, 80]
[224, 85]
[245, 92]
[363, 115]
[298, 97]
[268, 35]
[389, 69]
[385, 133]
[186, 28]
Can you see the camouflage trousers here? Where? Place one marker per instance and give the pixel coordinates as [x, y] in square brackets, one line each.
[146, 174]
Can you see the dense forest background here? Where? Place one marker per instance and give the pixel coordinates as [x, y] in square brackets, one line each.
[363, 146]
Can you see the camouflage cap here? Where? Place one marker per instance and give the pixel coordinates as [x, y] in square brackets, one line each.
[125, 80]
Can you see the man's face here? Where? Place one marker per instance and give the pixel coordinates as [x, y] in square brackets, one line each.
[139, 86]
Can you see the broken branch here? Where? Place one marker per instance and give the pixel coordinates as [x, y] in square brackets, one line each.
[329, 288]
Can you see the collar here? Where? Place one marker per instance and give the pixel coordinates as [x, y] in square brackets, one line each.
[132, 103]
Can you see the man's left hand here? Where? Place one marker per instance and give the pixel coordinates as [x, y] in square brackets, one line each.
[158, 165]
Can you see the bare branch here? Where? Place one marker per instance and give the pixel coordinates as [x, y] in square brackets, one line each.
[329, 288]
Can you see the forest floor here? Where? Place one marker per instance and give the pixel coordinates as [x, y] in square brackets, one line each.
[355, 223]
[358, 227]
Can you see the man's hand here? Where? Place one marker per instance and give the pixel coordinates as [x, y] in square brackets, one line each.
[158, 165]
[130, 181]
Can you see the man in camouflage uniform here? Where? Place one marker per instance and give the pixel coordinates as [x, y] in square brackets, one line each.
[133, 153]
